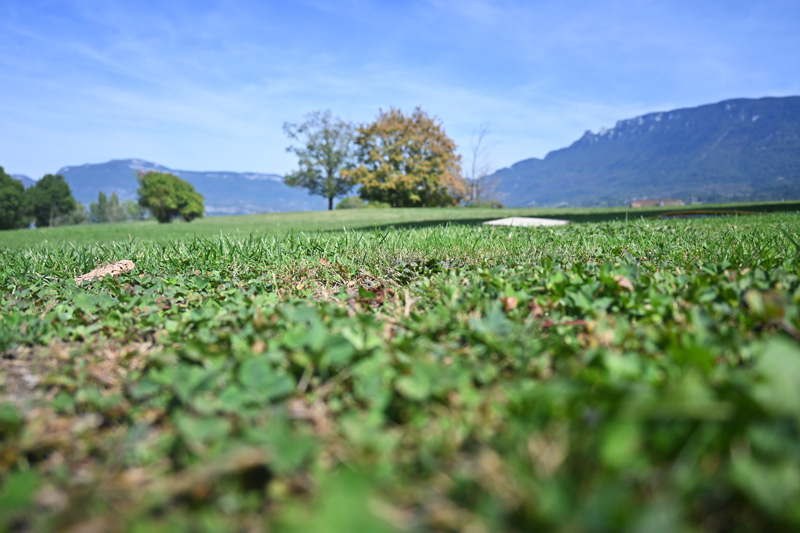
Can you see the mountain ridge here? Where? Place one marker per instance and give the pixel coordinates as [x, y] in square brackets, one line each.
[738, 149]
[225, 192]
[26, 181]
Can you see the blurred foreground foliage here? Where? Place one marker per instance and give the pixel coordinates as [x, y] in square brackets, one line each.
[603, 377]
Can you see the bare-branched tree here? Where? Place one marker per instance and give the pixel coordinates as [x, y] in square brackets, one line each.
[482, 185]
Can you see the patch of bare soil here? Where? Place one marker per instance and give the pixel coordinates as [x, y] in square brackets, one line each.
[23, 369]
[20, 373]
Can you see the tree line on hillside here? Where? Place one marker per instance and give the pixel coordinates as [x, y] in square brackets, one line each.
[49, 202]
[398, 160]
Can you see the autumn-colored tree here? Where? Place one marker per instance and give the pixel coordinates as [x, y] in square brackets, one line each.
[408, 161]
[326, 150]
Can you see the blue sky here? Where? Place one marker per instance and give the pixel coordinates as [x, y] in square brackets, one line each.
[207, 85]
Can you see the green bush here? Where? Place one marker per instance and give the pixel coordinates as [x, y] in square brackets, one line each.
[50, 198]
[494, 204]
[351, 202]
[13, 208]
[167, 196]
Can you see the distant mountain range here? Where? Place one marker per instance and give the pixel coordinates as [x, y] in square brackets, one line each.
[26, 181]
[735, 150]
[225, 193]
[743, 149]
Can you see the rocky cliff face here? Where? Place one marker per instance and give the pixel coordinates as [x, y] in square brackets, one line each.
[739, 114]
[740, 149]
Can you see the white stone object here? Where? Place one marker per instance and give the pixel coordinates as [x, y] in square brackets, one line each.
[526, 221]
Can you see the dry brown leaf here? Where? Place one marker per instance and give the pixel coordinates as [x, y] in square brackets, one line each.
[314, 412]
[509, 303]
[113, 269]
[536, 309]
[624, 283]
[258, 346]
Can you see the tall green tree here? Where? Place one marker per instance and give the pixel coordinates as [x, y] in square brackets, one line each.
[325, 150]
[133, 211]
[49, 198]
[408, 161]
[107, 209]
[13, 203]
[98, 211]
[167, 196]
[115, 213]
[78, 215]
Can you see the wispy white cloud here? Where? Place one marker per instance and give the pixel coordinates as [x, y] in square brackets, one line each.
[208, 84]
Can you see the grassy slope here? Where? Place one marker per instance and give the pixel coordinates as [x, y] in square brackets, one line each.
[596, 377]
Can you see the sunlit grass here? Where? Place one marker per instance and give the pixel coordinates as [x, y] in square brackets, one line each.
[595, 376]
[311, 221]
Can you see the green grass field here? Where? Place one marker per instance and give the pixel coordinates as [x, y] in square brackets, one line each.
[415, 371]
[281, 223]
